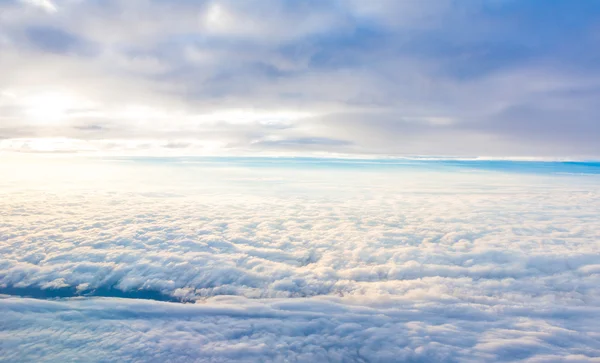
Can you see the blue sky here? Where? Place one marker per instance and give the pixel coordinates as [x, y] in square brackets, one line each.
[495, 78]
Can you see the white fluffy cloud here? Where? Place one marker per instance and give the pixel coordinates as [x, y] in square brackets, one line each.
[317, 329]
[287, 262]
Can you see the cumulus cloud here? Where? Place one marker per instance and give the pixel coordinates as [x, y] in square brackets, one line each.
[279, 261]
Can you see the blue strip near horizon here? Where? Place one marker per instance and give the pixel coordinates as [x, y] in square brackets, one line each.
[535, 167]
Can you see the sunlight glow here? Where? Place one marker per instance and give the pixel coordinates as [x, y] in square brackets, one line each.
[45, 5]
[50, 106]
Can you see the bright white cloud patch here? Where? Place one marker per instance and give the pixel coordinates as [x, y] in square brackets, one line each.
[46, 5]
[288, 262]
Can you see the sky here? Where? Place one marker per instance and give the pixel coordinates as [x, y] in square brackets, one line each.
[497, 78]
[300, 181]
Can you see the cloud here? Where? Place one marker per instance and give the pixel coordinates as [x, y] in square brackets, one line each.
[302, 142]
[53, 40]
[508, 78]
[281, 261]
[45, 5]
[236, 329]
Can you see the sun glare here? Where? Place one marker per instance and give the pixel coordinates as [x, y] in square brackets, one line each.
[49, 106]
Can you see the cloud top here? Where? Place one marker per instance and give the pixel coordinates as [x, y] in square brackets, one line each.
[290, 263]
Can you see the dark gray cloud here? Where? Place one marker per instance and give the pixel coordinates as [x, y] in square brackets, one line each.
[53, 40]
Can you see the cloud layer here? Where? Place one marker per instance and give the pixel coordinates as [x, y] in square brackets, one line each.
[290, 263]
[236, 329]
[501, 78]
